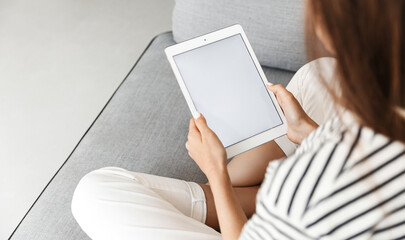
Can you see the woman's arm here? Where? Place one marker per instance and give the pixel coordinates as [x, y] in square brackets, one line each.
[210, 155]
[230, 214]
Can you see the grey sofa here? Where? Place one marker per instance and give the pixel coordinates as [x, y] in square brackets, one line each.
[143, 127]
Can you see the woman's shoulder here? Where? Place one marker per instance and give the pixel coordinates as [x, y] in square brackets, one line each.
[364, 172]
[342, 176]
[350, 143]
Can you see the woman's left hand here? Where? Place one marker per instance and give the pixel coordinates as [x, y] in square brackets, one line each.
[205, 148]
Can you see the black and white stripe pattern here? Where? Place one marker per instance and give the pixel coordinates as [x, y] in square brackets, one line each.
[342, 183]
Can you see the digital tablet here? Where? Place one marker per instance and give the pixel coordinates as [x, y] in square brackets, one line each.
[221, 78]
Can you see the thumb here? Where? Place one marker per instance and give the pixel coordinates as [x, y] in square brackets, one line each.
[201, 123]
[280, 92]
[277, 89]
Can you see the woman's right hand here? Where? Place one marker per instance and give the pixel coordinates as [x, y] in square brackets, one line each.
[300, 125]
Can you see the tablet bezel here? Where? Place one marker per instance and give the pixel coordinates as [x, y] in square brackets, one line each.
[251, 142]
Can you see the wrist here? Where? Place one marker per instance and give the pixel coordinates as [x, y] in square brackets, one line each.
[308, 127]
[218, 174]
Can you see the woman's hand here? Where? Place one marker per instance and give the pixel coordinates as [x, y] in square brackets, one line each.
[300, 125]
[205, 148]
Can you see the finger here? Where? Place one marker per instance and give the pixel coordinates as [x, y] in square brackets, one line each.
[192, 127]
[282, 94]
[193, 132]
[276, 88]
[201, 124]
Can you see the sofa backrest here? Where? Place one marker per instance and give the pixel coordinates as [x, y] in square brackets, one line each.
[275, 28]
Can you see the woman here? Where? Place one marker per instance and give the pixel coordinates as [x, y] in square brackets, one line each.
[345, 179]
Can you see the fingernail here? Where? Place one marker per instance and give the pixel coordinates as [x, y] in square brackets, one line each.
[197, 115]
[268, 84]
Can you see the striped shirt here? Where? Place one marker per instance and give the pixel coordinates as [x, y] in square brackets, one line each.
[345, 181]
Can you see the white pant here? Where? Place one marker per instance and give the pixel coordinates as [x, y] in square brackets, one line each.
[113, 203]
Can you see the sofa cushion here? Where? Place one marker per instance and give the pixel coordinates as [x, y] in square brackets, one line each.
[143, 128]
[274, 27]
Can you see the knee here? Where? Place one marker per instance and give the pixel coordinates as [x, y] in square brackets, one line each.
[92, 189]
[84, 194]
[318, 72]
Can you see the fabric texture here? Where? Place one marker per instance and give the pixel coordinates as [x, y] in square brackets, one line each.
[116, 203]
[274, 28]
[345, 181]
[143, 128]
[113, 203]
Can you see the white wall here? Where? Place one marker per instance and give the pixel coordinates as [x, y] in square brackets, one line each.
[60, 61]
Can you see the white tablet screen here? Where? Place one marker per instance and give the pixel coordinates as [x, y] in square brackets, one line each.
[226, 88]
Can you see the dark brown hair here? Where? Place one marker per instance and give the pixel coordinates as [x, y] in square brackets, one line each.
[368, 41]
